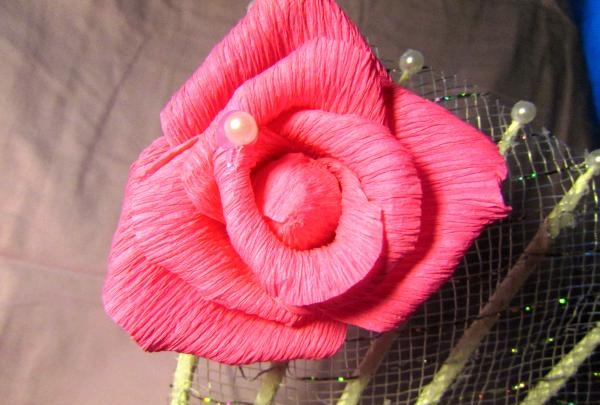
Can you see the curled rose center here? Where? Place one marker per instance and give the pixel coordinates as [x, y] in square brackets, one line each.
[300, 199]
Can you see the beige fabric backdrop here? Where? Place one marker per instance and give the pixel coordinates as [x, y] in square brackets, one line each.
[81, 87]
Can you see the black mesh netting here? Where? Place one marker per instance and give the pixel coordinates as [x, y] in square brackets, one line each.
[558, 304]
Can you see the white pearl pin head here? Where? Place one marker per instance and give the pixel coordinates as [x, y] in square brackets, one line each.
[411, 61]
[592, 160]
[240, 128]
[523, 112]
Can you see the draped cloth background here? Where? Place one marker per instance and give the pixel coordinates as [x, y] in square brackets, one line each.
[81, 87]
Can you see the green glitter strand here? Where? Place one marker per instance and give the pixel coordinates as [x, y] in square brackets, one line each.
[454, 97]
[552, 382]
[529, 177]
[512, 283]
[182, 380]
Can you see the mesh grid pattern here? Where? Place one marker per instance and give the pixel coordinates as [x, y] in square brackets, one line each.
[558, 304]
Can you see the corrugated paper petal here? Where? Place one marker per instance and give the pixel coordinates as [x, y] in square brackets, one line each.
[349, 202]
[461, 195]
[267, 34]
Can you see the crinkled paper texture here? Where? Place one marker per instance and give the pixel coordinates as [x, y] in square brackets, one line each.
[355, 203]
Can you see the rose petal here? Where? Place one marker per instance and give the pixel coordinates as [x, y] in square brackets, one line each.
[322, 74]
[461, 172]
[307, 85]
[199, 181]
[301, 277]
[198, 177]
[171, 233]
[268, 33]
[386, 172]
[299, 199]
[161, 312]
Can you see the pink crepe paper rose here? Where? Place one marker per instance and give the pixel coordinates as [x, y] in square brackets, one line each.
[353, 204]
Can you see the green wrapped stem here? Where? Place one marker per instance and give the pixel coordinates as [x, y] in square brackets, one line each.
[566, 368]
[271, 380]
[367, 368]
[183, 378]
[558, 219]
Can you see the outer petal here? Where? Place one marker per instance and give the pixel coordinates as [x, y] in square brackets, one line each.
[172, 234]
[460, 172]
[316, 76]
[199, 181]
[322, 74]
[269, 32]
[162, 312]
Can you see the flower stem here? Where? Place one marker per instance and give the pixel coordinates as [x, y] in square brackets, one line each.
[367, 368]
[404, 77]
[507, 137]
[182, 380]
[500, 299]
[270, 383]
[564, 369]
